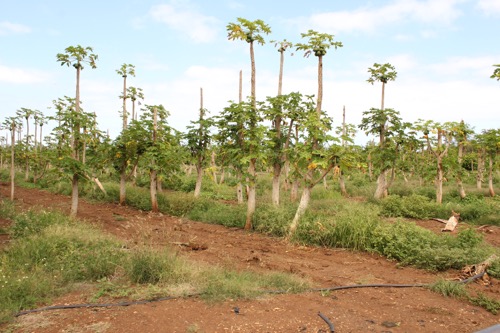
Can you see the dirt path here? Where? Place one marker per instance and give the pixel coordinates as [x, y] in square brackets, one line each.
[352, 310]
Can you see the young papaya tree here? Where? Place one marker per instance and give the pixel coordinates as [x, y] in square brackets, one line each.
[490, 140]
[438, 138]
[76, 56]
[198, 140]
[250, 31]
[461, 133]
[161, 146]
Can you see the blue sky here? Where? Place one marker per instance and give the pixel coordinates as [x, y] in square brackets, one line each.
[443, 51]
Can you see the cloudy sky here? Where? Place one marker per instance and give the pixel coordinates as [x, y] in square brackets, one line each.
[443, 51]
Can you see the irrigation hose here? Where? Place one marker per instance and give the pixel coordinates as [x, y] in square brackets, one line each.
[106, 305]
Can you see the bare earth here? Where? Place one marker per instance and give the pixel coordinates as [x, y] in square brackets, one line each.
[351, 310]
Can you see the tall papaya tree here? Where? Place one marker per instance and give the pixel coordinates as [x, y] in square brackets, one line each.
[77, 56]
[250, 32]
[124, 71]
[383, 74]
[26, 114]
[12, 123]
[317, 44]
[198, 140]
[277, 123]
[134, 94]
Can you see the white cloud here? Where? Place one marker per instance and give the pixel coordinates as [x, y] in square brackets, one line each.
[181, 17]
[368, 19]
[22, 75]
[481, 66]
[13, 28]
[489, 7]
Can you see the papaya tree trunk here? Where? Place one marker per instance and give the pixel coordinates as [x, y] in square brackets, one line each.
[480, 170]
[276, 184]
[153, 192]
[490, 178]
[343, 190]
[303, 204]
[199, 178]
[439, 181]
[12, 160]
[123, 178]
[74, 195]
[251, 202]
[381, 185]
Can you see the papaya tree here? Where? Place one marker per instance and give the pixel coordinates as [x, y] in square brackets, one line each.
[388, 125]
[160, 145]
[490, 140]
[277, 123]
[314, 155]
[12, 123]
[134, 94]
[26, 114]
[461, 133]
[383, 74]
[76, 56]
[438, 138]
[496, 73]
[317, 44]
[198, 140]
[250, 31]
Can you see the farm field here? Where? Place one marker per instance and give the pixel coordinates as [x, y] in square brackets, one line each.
[351, 310]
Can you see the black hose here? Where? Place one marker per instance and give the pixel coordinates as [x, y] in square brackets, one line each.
[105, 305]
[327, 321]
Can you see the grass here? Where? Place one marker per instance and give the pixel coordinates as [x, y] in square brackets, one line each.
[458, 290]
[62, 252]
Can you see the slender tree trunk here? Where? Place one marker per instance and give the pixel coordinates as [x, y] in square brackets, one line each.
[199, 178]
[304, 203]
[27, 171]
[319, 101]
[251, 203]
[12, 160]
[125, 116]
[480, 170]
[74, 195]
[75, 145]
[343, 190]
[222, 175]
[277, 126]
[153, 190]
[153, 176]
[381, 187]
[201, 152]
[439, 181]
[490, 178]
[123, 179]
[461, 190]
[214, 167]
[275, 196]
